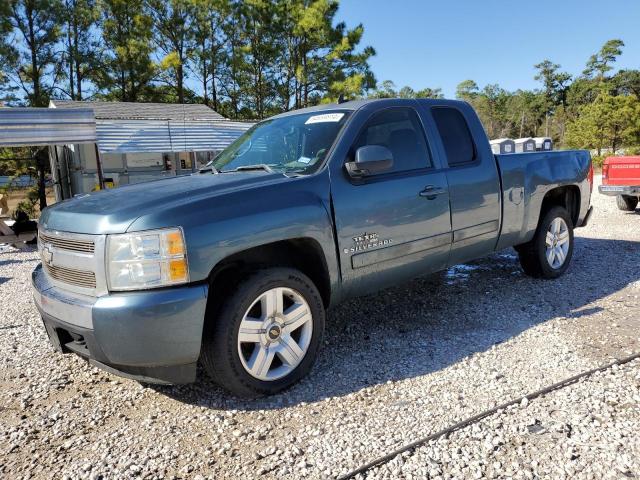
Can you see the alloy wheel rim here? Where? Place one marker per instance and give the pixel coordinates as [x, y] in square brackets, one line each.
[557, 243]
[275, 334]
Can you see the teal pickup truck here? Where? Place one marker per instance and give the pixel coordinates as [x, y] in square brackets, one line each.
[236, 266]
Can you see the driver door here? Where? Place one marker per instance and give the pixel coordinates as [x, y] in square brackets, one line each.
[394, 225]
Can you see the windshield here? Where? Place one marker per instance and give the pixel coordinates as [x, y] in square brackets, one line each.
[291, 144]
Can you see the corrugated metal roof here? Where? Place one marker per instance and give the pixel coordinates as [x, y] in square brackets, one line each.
[121, 136]
[201, 136]
[20, 127]
[64, 126]
[142, 111]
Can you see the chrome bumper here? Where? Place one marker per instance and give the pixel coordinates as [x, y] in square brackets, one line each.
[619, 190]
[74, 309]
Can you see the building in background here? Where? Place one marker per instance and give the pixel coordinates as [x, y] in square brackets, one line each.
[137, 142]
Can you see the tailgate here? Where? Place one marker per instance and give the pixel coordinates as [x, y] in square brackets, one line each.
[621, 171]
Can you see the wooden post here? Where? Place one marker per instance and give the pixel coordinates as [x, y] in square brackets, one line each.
[99, 168]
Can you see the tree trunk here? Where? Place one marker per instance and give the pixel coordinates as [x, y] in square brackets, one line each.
[205, 76]
[180, 81]
[546, 125]
[77, 63]
[71, 73]
[33, 51]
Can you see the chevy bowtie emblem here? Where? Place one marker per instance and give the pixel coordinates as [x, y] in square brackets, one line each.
[47, 255]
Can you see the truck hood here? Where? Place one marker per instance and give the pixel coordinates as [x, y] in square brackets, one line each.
[113, 211]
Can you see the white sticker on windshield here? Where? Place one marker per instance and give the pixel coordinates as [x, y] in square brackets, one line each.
[325, 117]
[304, 160]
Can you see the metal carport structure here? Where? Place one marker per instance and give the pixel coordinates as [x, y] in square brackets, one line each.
[27, 127]
[113, 128]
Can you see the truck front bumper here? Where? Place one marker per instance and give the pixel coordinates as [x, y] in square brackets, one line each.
[152, 336]
[619, 190]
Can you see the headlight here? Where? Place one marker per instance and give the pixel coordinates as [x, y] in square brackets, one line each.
[149, 259]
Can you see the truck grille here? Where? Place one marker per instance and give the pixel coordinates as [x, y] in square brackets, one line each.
[73, 261]
[71, 276]
[67, 243]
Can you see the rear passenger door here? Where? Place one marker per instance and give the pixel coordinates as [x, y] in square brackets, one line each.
[394, 225]
[474, 183]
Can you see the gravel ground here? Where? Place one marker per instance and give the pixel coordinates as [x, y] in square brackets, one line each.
[395, 367]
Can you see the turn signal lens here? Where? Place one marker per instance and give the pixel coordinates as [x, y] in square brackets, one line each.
[178, 271]
[175, 244]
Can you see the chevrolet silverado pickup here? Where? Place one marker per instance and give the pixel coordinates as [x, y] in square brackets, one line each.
[621, 178]
[236, 266]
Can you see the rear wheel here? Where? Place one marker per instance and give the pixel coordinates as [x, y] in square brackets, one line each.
[626, 203]
[266, 334]
[549, 253]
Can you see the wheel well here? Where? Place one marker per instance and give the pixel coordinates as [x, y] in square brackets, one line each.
[304, 254]
[567, 197]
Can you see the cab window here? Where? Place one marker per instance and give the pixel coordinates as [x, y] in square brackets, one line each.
[400, 130]
[456, 137]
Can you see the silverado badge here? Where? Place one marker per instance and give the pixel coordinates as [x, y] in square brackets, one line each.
[367, 241]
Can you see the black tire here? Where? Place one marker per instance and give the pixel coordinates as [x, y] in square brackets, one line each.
[626, 203]
[532, 255]
[219, 354]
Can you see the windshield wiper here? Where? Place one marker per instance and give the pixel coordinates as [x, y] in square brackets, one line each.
[209, 168]
[258, 166]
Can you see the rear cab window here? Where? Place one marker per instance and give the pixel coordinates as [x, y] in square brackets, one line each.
[456, 136]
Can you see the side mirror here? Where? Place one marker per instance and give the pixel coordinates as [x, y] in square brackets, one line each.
[370, 160]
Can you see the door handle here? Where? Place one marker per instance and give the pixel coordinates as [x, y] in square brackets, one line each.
[431, 191]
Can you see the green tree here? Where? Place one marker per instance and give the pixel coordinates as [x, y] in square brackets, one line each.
[260, 53]
[30, 60]
[347, 71]
[210, 54]
[234, 78]
[627, 82]
[525, 114]
[78, 17]
[387, 89]
[174, 35]
[127, 69]
[491, 105]
[467, 90]
[429, 93]
[555, 88]
[322, 61]
[7, 52]
[610, 122]
[602, 62]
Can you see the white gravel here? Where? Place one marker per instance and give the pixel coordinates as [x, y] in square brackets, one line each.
[395, 367]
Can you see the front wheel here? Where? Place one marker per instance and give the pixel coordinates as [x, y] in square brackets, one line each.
[626, 203]
[266, 334]
[549, 253]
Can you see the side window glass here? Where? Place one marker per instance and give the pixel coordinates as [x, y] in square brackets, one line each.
[455, 134]
[400, 130]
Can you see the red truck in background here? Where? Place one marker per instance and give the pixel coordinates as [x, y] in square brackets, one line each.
[621, 178]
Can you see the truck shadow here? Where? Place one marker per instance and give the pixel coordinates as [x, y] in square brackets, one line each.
[434, 322]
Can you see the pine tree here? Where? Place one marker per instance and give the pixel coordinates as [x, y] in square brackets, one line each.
[78, 19]
[127, 69]
[30, 60]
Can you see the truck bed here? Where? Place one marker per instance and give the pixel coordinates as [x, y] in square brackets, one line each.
[526, 178]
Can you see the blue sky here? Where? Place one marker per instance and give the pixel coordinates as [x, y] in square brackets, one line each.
[432, 43]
